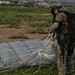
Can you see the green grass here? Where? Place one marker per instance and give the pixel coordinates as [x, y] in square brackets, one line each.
[44, 70]
[37, 31]
[72, 10]
[15, 16]
[39, 24]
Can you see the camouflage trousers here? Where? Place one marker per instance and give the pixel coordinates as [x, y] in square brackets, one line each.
[66, 64]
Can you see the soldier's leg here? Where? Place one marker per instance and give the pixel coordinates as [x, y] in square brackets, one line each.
[69, 65]
[69, 61]
[69, 45]
[60, 64]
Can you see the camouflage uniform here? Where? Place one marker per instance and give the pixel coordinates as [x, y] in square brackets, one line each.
[65, 64]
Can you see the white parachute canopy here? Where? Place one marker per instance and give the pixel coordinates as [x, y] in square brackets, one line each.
[14, 54]
[29, 53]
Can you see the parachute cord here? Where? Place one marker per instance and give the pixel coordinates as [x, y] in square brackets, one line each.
[45, 40]
[41, 52]
[49, 37]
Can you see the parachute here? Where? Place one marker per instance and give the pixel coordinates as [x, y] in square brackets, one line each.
[28, 53]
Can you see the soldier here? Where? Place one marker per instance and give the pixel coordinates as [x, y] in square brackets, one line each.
[64, 42]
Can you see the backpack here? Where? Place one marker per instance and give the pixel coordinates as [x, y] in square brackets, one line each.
[71, 24]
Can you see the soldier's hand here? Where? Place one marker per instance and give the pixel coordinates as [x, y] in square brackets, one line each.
[53, 27]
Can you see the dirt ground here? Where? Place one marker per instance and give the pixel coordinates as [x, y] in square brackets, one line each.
[5, 33]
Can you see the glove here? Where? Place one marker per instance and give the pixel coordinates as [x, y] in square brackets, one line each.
[53, 27]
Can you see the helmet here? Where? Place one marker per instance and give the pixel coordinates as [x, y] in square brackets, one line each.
[55, 9]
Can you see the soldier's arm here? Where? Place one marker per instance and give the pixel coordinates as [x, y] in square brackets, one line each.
[54, 26]
[59, 18]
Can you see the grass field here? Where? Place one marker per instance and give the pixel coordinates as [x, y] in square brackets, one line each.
[24, 23]
[35, 21]
[44, 70]
[16, 16]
